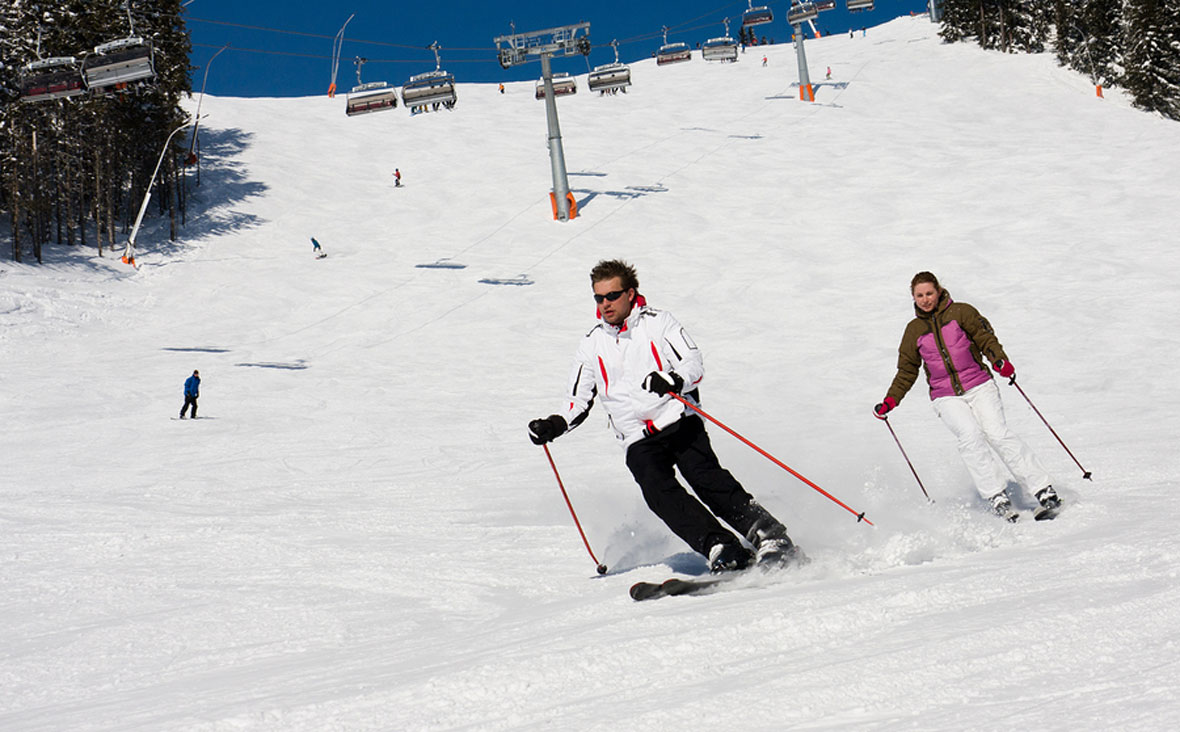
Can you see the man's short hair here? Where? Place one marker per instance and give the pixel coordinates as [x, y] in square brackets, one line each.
[608, 268]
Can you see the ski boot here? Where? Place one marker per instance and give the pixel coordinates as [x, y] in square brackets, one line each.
[729, 557]
[773, 549]
[1050, 504]
[1002, 507]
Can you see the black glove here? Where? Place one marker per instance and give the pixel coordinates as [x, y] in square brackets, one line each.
[662, 382]
[547, 429]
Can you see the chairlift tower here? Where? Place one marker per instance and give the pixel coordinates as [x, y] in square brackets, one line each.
[518, 48]
[798, 14]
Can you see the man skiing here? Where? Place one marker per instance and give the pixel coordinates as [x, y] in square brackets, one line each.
[397, 178]
[633, 360]
[192, 390]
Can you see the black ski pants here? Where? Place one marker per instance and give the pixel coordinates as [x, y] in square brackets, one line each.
[187, 401]
[685, 445]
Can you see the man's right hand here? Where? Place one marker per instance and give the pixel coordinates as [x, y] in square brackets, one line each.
[547, 429]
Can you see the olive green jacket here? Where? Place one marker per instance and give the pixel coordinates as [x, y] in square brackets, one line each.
[949, 344]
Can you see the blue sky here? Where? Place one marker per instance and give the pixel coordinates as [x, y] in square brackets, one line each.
[283, 49]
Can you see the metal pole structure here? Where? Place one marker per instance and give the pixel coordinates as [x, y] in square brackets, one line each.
[129, 252]
[935, 10]
[193, 142]
[561, 183]
[517, 48]
[337, 42]
[806, 93]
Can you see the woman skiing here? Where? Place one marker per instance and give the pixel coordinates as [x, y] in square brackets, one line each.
[949, 341]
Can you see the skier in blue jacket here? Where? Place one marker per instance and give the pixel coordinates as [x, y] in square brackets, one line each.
[192, 390]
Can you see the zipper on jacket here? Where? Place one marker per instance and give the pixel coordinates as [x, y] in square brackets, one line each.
[946, 356]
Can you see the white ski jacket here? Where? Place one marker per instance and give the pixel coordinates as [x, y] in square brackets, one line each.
[612, 362]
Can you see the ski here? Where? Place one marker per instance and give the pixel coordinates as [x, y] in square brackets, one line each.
[675, 586]
[1046, 513]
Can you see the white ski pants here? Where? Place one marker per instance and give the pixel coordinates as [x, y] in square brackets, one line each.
[977, 421]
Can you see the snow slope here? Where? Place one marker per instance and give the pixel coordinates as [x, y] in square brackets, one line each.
[357, 534]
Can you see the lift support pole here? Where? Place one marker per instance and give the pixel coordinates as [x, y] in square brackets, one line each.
[516, 49]
[561, 182]
[806, 93]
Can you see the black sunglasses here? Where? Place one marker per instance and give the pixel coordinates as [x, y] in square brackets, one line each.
[611, 296]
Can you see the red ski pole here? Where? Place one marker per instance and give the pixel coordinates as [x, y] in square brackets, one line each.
[1085, 473]
[601, 567]
[907, 458]
[859, 516]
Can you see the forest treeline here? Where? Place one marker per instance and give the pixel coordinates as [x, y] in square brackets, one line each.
[1134, 44]
[74, 170]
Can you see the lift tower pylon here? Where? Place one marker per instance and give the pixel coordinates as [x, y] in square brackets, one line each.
[518, 48]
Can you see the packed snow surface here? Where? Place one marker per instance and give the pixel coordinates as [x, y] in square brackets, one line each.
[357, 535]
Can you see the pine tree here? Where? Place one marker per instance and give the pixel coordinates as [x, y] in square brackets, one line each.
[67, 161]
[1153, 55]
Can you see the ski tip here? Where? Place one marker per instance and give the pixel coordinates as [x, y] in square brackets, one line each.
[645, 591]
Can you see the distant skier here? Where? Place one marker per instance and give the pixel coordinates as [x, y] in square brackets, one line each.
[192, 390]
[317, 250]
[397, 178]
[829, 72]
[763, 60]
[949, 341]
[501, 88]
[630, 362]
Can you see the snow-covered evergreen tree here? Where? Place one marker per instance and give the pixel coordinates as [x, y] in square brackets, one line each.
[1153, 55]
[84, 158]
[1006, 25]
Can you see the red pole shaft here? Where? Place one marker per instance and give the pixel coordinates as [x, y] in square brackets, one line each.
[600, 566]
[859, 516]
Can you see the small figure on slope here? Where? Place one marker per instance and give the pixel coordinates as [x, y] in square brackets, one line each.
[192, 390]
[949, 341]
[397, 178]
[631, 362]
[317, 249]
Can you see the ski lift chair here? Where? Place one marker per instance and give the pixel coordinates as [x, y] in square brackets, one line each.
[608, 77]
[432, 87]
[51, 78]
[118, 63]
[856, 6]
[756, 15]
[673, 53]
[373, 96]
[801, 12]
[428, 88]
[720, 49]
[563, 84]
